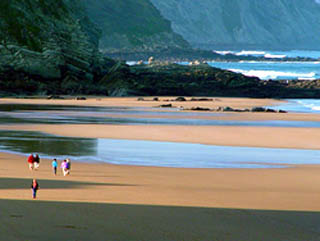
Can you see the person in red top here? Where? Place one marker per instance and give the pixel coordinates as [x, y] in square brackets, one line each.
[31, 161]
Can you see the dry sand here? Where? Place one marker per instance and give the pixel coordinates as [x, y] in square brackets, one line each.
[112, 202]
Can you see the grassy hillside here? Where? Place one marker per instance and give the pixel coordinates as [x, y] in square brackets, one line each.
[131, 23]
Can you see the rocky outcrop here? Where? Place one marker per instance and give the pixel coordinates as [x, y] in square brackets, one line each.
[50, 44]
[243, 24]
[163, 79]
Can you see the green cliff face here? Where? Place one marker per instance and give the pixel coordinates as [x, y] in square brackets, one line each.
[21, 23]
[44, 40]
[132, 25]
[243, 24]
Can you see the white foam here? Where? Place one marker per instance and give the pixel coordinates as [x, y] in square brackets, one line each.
[223, 52]
[275, 56]
[310, 104]
[131, 63]
[247, 52]
[307, 78]
[271, 74]
[242, 53]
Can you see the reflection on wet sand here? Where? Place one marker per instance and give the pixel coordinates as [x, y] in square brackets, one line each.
[52, 114]
[153, 153]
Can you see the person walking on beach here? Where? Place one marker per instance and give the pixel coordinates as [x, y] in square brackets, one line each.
[54, 166]
[36, 162]
[34, 187]
[64, 168]
[31, 161]
[68, 165]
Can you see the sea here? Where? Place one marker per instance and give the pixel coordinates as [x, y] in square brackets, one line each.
[300, 106]
[275, 70]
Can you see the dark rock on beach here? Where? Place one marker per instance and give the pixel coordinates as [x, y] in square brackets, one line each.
[81, 98]
[166, 106]
[200, 99]
[200, 109]
[180, 98]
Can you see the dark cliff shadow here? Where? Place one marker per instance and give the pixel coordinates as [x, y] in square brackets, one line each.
[25, 183]
[43, 220]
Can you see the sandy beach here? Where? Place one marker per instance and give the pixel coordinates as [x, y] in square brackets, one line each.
[119, 202]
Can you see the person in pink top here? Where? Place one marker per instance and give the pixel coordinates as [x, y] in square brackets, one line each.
[64, 167]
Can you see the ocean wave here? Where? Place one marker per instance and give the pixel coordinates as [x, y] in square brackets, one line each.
[247, 52]
[272, 74]
[312, 105]
[242, 52]
[224, 52]
[131, 62]
[273, 62]
[275, 56]
[307, 78]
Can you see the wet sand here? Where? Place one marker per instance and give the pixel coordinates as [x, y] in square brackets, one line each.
[133, 102]
[273, 137]
[111, 202]
[253, 136]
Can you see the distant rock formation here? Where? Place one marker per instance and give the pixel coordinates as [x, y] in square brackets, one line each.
[243, 24]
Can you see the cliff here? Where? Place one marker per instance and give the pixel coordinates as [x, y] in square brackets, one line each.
[244, 24]
[52, 47]
[132, 26]
[46, 45]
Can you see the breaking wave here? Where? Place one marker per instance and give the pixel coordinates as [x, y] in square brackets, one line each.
[272, 74]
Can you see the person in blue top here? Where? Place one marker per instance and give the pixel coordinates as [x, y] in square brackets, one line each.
[54, 166]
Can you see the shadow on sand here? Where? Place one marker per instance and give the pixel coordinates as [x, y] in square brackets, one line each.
[41, 220]
[24, 183]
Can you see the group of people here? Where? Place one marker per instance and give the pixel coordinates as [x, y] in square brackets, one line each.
[65, 166]
[34, 164]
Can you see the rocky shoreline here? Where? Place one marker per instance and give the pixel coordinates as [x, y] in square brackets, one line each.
[204, 99]
[190, 55]
[155, 79]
